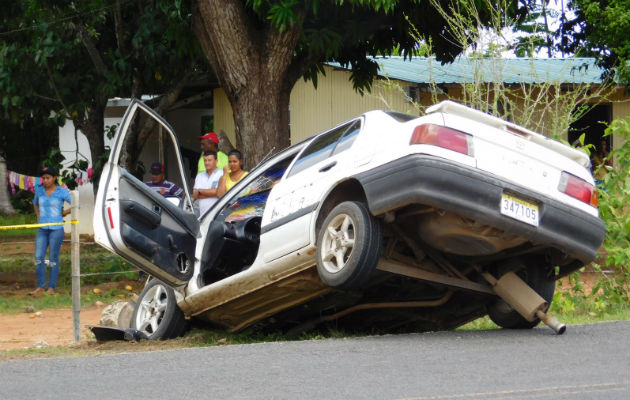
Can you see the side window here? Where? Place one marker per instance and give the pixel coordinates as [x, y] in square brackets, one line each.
[152, 157]
[349, 136]
[320, 149]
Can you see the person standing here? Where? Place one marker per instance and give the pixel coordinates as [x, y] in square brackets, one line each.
[207, 182]
[48, 204]
[161, 185]
[232, 173]
[210, 142]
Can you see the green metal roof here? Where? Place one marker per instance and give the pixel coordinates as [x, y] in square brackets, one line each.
[507, 70]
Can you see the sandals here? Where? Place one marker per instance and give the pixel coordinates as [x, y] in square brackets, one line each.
[34, 292]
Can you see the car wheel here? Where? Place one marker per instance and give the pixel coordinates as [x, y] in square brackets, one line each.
[157, 314]
[535, 275]
[349, 245]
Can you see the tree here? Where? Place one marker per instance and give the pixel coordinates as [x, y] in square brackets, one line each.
[69, 58]
[5, 204]
[260, 48]
[601, 29]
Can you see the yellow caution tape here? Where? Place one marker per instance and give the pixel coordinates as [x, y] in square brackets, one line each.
[74, 221]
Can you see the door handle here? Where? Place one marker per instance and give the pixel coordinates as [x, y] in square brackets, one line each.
[327, 167]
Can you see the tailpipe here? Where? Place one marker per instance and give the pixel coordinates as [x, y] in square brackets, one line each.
[522, 298]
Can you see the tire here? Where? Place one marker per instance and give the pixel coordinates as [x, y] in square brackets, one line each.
[157, 314]
[349, 245]
[535, 275]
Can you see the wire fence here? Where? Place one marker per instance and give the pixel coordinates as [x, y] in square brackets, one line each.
[87, 243]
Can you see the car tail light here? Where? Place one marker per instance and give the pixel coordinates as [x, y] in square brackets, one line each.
[441, 136]
[578, 188]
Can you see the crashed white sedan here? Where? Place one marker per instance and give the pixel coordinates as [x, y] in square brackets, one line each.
[456, 215]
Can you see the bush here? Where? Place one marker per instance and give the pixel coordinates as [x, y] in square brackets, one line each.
[614, 209]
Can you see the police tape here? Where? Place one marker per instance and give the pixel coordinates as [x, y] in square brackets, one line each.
[26, 226]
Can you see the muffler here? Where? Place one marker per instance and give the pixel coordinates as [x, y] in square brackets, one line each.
[522, 298]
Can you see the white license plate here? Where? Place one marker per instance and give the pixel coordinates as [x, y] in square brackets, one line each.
[519, 209]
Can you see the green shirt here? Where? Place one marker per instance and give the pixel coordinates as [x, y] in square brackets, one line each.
[222, 161]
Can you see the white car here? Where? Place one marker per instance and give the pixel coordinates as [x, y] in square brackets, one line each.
[389, 222]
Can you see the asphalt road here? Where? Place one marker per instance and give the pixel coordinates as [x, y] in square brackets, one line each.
[587, 362]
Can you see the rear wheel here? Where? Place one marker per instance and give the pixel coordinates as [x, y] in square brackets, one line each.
[535, 275]
[157, 313]
[349, 245]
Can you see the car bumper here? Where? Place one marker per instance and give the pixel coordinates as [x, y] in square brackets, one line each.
[447, 185]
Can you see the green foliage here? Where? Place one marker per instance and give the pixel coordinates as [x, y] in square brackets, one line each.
[614, 209]
[62, 60]
[598, 29]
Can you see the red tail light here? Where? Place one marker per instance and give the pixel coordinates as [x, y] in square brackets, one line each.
[578, 188]
[440, 136]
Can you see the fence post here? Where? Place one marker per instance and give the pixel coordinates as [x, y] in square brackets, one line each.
[76, 269]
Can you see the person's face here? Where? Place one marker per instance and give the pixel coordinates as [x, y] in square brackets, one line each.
[234, 163]
[210, 163]
[207, 144]
[157, 178]
[48, 180]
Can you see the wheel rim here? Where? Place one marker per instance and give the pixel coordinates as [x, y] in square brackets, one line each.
[337, 243]
[151, 310]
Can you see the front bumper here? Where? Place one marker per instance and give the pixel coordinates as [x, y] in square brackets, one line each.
[447, 185]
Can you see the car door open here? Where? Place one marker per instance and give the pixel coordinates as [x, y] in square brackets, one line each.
[133, 214]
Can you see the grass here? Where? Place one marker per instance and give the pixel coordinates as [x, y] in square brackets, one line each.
[17, 303]
[18, 219]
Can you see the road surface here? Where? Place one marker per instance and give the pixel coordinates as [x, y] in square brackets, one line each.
[587, 362]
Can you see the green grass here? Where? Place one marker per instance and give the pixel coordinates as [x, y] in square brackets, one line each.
[571, 309]
[62, 299]
[18, 219]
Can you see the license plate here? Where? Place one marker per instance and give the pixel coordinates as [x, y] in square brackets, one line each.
[519, 209]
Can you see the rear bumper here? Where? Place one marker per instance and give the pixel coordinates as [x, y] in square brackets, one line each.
[433, 181]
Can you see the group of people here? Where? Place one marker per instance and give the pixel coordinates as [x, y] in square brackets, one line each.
[217, 172]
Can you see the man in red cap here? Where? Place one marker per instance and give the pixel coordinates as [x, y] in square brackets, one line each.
[210, 142]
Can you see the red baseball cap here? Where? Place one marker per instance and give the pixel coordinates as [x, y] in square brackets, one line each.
[211, 136]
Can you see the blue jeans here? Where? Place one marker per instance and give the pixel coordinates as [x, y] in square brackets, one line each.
[47, 238]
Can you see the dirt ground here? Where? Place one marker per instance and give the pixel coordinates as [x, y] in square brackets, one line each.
[53, 326]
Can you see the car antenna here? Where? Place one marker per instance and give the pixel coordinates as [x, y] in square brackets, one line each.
[267, 155]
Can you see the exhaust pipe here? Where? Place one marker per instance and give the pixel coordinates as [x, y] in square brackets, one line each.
[514, 291]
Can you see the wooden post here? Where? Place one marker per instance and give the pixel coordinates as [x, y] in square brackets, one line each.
[76, 269]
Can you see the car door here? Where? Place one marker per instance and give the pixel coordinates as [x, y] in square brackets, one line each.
[155, 233]
[323, 162]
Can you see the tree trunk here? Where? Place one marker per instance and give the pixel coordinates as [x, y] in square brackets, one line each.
[5, 203]
[93, 127]
[255, 66]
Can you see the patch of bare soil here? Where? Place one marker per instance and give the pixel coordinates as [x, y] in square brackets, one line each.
[54, 327]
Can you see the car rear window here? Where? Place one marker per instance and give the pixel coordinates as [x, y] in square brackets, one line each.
[401, 117]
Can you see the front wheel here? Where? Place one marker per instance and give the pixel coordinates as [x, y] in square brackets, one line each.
[536, 277]
[349, 245]
[157, 314]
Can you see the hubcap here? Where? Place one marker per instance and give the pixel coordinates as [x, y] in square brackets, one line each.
[337, 243]
[151, 310]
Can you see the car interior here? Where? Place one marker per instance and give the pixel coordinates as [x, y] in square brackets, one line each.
[233, 237]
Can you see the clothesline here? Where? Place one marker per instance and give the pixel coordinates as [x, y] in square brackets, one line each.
[26, 182]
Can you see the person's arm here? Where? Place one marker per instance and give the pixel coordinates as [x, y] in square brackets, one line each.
[36, 207]
[206, 193]
[221, 189]
[68, 200]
